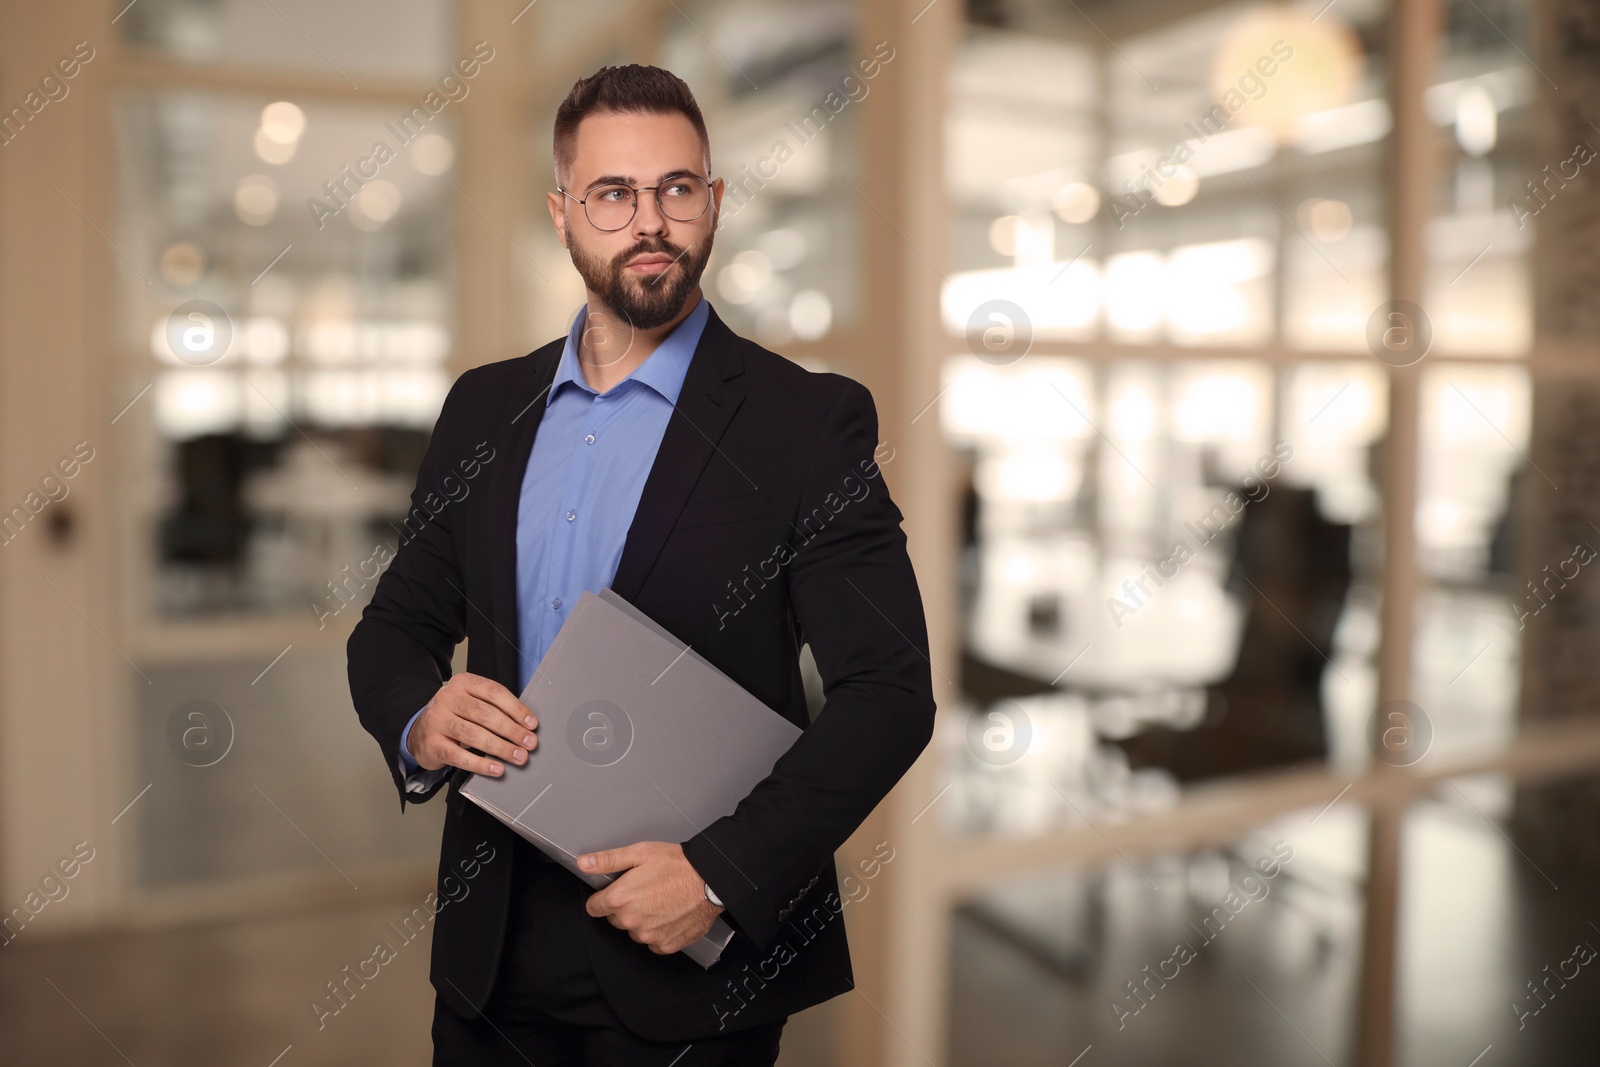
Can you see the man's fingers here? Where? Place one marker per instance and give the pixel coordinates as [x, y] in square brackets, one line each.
[454, 755]
[492, 718]
[472, 735]
[609, 861]
[599, 906]
[492, 692]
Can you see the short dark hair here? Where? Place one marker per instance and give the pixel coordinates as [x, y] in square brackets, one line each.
[630, 90]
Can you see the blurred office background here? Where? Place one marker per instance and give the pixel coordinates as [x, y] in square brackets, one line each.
[1240, 367]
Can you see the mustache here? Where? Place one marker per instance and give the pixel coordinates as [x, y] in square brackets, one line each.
[652, 248]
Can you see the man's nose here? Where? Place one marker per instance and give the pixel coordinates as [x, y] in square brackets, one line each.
[648, 219]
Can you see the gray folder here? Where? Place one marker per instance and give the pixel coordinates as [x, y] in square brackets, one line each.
[640, 739]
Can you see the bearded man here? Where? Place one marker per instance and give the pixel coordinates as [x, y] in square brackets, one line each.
[736, 499]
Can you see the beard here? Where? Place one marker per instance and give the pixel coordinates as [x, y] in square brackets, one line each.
[645, 302]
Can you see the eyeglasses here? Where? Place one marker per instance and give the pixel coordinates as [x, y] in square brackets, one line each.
[611, 207]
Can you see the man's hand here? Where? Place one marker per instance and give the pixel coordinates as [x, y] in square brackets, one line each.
[660, 901]
[477, 712]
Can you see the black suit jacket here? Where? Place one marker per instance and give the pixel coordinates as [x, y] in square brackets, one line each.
[764, 524]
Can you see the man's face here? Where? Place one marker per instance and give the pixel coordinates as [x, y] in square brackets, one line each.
[645, 271]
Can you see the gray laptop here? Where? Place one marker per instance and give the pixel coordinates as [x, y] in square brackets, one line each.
[640, 739]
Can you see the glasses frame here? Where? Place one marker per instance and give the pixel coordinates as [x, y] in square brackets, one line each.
[637, 189]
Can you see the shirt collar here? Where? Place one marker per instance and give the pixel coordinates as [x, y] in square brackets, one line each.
[663, 370]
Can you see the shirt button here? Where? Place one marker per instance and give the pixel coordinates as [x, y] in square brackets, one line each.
[555, 604]
[589, 439]
[571, 515]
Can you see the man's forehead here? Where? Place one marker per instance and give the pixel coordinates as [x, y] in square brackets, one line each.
[638, 146]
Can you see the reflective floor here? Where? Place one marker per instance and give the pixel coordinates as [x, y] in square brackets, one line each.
[1042, 969]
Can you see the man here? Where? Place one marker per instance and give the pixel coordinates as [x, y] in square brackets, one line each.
[733, 497]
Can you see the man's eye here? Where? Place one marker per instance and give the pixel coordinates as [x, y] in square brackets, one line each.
[615, 194]
[677, 189]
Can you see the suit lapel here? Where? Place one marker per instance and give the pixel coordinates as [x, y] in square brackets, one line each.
[706, 405]
[505, 492]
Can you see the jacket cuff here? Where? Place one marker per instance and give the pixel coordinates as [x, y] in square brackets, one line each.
[757, 905]
[405, 696]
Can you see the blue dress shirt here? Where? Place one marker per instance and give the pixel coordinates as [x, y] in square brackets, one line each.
[587, 470]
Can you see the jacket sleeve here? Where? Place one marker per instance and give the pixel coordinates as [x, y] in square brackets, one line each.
[399, 653]
[856, 601]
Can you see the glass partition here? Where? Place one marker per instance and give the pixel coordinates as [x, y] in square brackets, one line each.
[783, 85]
[1474, 604]
[1214, 180]
[288, 311]
[1170, 574]
[263, 775]
[1491, 188]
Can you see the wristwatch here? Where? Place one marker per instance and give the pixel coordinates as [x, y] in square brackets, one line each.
[712, 896]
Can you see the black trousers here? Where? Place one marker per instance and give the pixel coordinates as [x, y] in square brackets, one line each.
[547, 1008]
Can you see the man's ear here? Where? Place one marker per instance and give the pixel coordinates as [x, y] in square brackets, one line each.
[558, 215]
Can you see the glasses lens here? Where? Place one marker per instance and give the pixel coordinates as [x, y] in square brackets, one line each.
[685, 198]
[610, 206]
